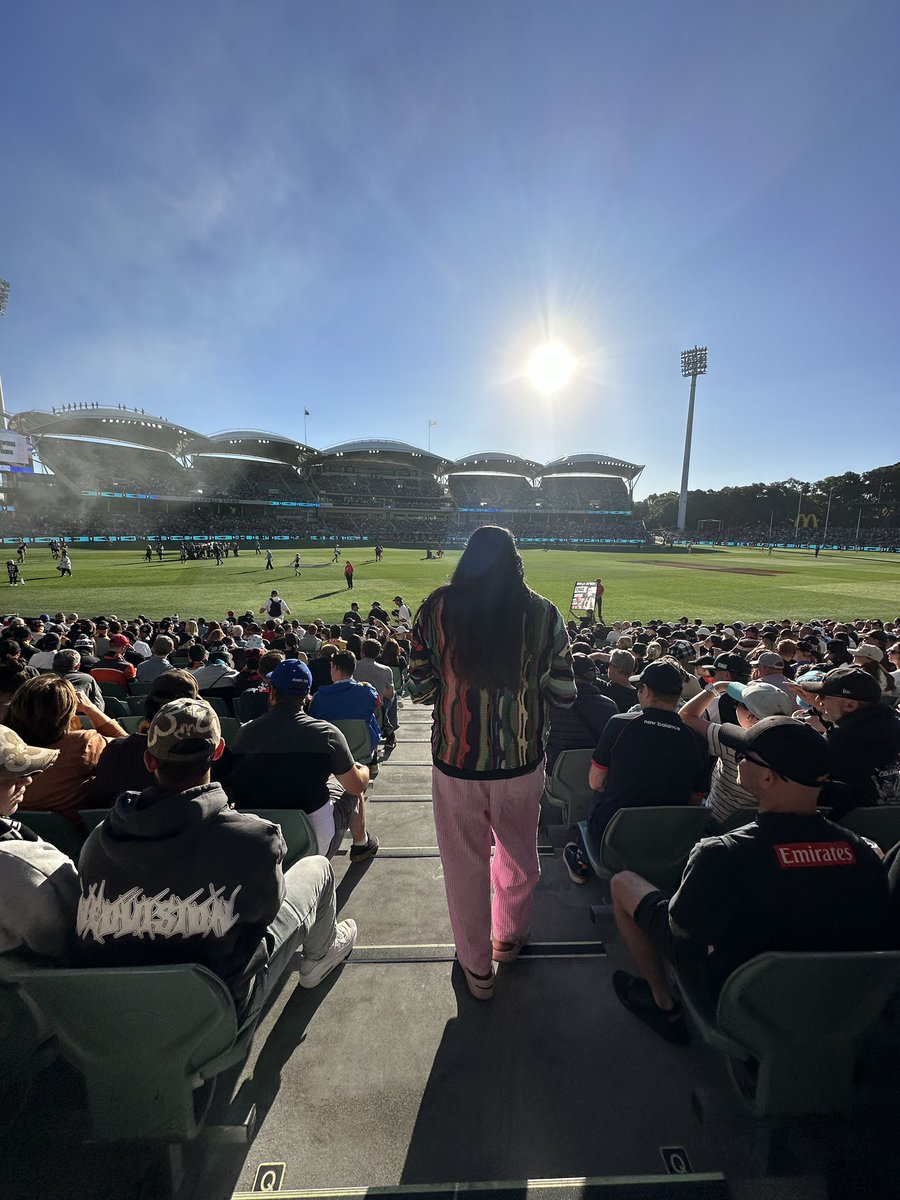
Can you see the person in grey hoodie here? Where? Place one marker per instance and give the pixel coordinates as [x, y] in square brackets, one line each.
[175, 875]
[38, 883]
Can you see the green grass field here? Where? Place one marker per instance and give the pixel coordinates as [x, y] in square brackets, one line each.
[718, 584]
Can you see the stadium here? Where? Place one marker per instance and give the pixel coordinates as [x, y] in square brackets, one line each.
[113, 475]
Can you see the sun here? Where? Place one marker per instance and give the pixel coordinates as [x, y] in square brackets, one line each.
[550, 367]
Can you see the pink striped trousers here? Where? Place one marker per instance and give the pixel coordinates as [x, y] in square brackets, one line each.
[466, 811]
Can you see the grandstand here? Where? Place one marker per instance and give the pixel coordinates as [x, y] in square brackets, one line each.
[121, 473]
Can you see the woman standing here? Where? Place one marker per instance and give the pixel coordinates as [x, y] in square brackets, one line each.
[490, 655]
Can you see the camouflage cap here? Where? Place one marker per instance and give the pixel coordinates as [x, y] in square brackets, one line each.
[185, 730]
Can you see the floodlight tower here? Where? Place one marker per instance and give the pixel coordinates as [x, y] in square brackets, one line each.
[693, 363]
[4, 298]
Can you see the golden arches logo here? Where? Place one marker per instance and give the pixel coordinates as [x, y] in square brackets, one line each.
[808, 520]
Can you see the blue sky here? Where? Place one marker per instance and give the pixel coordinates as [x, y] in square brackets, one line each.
[225, 213]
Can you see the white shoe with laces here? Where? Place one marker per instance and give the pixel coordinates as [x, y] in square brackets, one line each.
[313, 970]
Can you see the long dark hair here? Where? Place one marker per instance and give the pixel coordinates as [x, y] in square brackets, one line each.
[484, 606]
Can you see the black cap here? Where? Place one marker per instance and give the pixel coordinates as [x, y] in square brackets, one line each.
[661, 677]
[789, 747]
[850, 682]
[583, 667]
[735, 664]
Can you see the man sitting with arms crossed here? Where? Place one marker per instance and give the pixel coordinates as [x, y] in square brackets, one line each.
[174, 875]
[790, 881]
[306, 763]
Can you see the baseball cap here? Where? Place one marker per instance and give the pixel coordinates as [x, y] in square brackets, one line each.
[789, 747]
[769, 658]
[119, 641]
[734, 664]
[850, 682]
[84, 643]
[867, 650]
[291, 676]
[661, 677]
[18, 758]
[185, 731]
[583, 667]
[762, 699]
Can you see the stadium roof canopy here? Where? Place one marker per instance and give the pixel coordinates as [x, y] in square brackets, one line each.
[112, 424]
[592, 464]
[253, 443]
[385, 451]
[497, 461]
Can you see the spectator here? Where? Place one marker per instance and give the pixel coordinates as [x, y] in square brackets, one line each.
[11, 657]
[158, 663]
[381, 677]
[43, 712]
[179, 839]
[307, 762]
[112, 667]
[11, 679]
[863, 737]
[499, 653]
[644, 759]
[310, 643]
[67, 664]
[43, 657]
[321, 667]
[215, 674]
[255, 699]
[85, 648]
[275, 606]
[617, 686]
[579, 726]
[344, 699]
[121, 765]
[739, 896]
[753, 702]
[38, 883]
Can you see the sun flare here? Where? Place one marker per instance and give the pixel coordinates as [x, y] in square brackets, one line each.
[550, 367]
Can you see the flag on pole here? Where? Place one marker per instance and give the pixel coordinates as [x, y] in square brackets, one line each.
[306, 412]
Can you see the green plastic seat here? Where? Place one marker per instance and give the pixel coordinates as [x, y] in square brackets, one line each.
[115, 708]
[130, 723]
[141, 687]
[359, 738]
[92, 817]
[792, 1025]
[567, 786]
[136, 705]
[144, 1039]
[654, 842]
[119, 691]
[296, 830]
[55, 829]
[737, 819]
[881, 824]
[26, 1042]
[230, 728]
[218, 704]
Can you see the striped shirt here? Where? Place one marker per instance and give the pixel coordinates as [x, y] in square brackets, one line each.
[481, 733]
[725, 793]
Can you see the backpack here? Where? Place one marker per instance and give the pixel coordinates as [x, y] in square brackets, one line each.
[274, 608]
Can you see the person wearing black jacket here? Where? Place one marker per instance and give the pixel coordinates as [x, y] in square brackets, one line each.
[174, 875]
[578, 727]
[863, 739]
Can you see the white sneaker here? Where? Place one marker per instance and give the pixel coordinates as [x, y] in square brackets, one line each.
[313, 970]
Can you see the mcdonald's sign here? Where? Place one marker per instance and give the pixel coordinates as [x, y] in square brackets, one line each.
[808, 520]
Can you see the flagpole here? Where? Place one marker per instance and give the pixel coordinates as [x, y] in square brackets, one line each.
[305, 438]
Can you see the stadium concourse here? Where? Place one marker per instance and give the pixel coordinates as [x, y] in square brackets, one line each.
[389, 1074]
[85, 471]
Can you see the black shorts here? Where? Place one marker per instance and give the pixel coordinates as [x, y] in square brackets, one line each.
[689, 959]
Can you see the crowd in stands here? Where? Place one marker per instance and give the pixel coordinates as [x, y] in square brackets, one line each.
[492, 491]
[363, 488]
[788, 533]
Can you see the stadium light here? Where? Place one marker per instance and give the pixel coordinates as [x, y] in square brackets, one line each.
[693, 363]
[4, 295]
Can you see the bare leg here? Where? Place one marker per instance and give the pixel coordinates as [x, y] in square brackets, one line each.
[628, 889]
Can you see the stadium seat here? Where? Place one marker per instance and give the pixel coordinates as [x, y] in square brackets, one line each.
[359, 738]
[218, 703]
[141, 687]
[55, 829]
[230, 728]
[165, 1032]
[130, 723]
[92, 817]
[881, 824]
[736, 820]
[118, 690]
[791, 1026]
[654, 842]
[567, 787]
[136, 705]
[115, 708]
[242, 707]
[26, 1045]
[296, 830]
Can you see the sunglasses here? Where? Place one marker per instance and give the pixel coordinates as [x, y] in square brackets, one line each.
[742, 755]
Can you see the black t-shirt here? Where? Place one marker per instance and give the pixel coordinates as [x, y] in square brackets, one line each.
[788, 882]
[284, 759]
[622, 697]
[653, 759]
[351, 618]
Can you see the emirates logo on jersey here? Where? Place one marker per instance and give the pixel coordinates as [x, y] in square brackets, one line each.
[815, 854]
